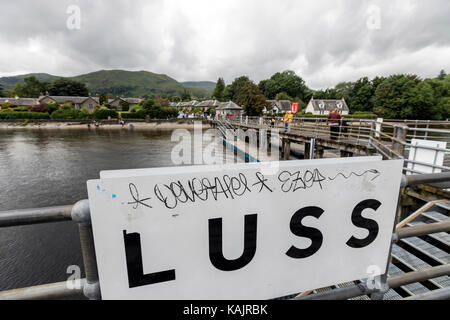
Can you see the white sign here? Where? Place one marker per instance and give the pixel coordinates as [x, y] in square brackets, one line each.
[420, 153]
[230, 232]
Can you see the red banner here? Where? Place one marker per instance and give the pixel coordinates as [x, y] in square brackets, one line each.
[295, 107]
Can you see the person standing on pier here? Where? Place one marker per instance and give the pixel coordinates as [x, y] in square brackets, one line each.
[272, 122]
[334, 118]
[286, 122]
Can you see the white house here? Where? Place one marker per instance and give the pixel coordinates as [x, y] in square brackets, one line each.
[325, 107]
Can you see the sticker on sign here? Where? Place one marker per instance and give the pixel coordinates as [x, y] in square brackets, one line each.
[231, 232]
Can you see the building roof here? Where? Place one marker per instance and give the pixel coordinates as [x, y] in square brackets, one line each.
[66, 99]
[193, 103]
[19, 101]
[128, 100]
[329, 105]
[283, 105]
[133, 100]
[209, 104]
[230, 105]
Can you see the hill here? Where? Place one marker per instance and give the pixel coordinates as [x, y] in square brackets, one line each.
[207, 86]
[9, 83]
[119, 83]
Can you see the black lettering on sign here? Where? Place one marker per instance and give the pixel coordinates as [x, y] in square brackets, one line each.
[216, 247]
[300, 230]
[136, 276]
[361, 222]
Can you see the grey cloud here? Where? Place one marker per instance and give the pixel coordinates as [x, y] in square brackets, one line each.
[323, 41]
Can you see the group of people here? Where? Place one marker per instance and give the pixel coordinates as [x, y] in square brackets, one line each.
[335, 120]
[288, 118]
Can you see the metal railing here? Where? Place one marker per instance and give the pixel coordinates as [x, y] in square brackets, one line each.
[78, 213]
[393, 139]
[90, 286]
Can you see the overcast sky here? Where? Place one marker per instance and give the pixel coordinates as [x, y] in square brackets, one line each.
[324, 42]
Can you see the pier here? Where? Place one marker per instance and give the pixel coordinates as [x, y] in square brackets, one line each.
[419, 265]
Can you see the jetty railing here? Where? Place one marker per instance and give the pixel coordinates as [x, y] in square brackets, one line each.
[80, 214]
[393, 139]
[90, 287]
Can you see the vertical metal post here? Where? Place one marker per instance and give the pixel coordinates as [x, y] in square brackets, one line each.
[400, 134]
[312, 148]
[426, 132]
[379, 294]
[415, 131]
[287, 149]
[359, 132]
[82, 215]
[307, 150]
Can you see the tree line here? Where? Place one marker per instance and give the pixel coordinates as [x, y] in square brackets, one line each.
[403, 96]
[33, 88]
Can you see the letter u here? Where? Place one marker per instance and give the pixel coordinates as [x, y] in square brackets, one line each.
[216, 247]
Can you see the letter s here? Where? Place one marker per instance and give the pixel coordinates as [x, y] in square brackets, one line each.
[300, 230]
[361, 222]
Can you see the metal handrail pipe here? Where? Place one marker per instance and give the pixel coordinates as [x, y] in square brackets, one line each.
[50, 291]
[430, 130]
[393, 282]
[412, 180]
[23, 217]
[422, 230]
[440, 294]
[415, 172]
[418, 276]
[340, 294]
[426, 147]
[435, 166]
[418, 122]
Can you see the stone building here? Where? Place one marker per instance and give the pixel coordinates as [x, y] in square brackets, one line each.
[79, 103]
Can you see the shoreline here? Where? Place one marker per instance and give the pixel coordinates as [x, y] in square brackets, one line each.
[76, 125]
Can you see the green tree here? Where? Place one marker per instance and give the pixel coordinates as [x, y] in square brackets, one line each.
[360, 96]
[31, 88]
[442, 75]
[125, 105]
[1, 90]
[148, 104]
[218, 91]
[441, 98]
[186, 96]
[103, 99]
[68, 87]
[286, 81]
[232, 91]
[252, 100]
[404, 97]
